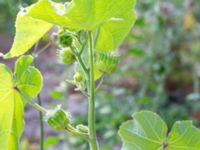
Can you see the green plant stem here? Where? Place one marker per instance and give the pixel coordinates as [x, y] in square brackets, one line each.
[79, 59]
[41, 124]
[40, 103]
[74, 131]
[82, 63]
[91, 110]
[38, 107]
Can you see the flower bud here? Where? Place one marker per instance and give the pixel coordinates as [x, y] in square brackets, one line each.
[78, 77]
[64, 39]
[82, 128]
[66, 56]
[107, 62]
[58, 119]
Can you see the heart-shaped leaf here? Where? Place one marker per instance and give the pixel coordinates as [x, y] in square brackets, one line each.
[12, 100]
[147, 131]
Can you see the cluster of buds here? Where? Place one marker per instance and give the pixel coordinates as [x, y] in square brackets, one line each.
[65, 42]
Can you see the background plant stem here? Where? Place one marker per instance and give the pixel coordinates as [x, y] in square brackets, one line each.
[41, 125]
[91, 110]
[40, 109]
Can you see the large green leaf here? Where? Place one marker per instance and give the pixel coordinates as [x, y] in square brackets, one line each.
[28, 32]
[147, 131]
[114, 18]
[12, 100]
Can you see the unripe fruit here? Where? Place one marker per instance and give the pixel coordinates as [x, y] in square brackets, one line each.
[82, 128]
[64, 39]
[66, 56]
[107, 62]
[78, 77]
[58, 119]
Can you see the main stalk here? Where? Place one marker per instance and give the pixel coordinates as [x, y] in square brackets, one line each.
[91, 110]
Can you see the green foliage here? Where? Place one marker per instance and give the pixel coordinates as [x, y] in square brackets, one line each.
[162, 58]
[117, 20]
[87, 15]
[15, 90]
[148, 131]
[96, 27]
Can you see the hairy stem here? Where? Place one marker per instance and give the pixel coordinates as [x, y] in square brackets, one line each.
[91, 110]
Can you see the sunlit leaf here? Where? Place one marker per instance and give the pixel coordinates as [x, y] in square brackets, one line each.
[184, 136]
[147, 131]
[115, 29]
[12, 100]
[28, 32]
[11, 111]
[115, 18]
[28, 78]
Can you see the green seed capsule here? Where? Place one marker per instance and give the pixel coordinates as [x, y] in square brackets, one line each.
[64, 39]
[107, 62]
[78, 77]
[82, 128]
[66, 56]
[58, 119]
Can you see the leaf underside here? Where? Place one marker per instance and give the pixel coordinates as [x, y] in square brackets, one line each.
[111, 19]
[28, 32]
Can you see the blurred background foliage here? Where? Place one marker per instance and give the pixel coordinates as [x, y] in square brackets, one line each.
[159, 71]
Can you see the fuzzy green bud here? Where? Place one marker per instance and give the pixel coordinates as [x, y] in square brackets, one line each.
[78, 77]
[66, 55]
[64, 39]
[82, 128]
[58, 119]
[107, 62]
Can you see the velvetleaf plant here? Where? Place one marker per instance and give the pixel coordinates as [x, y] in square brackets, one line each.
[89, 33]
